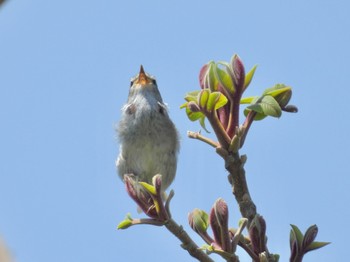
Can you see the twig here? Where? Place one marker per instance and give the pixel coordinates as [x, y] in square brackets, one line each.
[197, 135]
[187, 242]
[220, 132]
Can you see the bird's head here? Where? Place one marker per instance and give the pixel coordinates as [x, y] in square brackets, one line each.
[142, 79]
[143, 83]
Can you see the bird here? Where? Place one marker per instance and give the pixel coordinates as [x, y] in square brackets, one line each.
[149, 140]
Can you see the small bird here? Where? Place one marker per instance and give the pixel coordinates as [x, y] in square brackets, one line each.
[149, 141]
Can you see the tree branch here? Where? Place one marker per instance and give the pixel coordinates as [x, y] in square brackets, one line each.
[234, 164]
[187, 242]
[197, 135]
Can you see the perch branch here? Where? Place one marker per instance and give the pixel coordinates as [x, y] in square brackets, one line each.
[187, 243]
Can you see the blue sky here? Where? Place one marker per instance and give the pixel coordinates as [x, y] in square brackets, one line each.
[64, 75]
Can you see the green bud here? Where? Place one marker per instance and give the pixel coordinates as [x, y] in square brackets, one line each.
[127, 222]
[198, 220]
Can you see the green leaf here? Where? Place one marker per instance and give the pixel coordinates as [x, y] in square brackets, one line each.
[271, 90]
[192, 96]
[184, 105]
[249, 76]
[127, 222]
[224, 77]
[216, 100]
[316, 245]
[221, 101]
[202, 123]
[258, 116]
[193, 116]
[281, 93]
[203, 98]
[267, 106]
[200, 96]
[297, 235]
[276, 92]
[150, 188]
[248, 100]
[210, 78]
[270, 106]
[124, 224]
[213, 97]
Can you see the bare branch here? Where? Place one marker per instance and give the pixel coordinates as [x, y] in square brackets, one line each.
[187, 242]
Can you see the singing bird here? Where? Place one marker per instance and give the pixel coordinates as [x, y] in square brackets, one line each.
[149, 141]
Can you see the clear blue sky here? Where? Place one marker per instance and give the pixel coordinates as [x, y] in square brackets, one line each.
[64, 75]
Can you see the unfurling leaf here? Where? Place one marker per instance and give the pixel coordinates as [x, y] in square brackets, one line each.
[248, 100]
[296, 235]
[202, 74]
[191, 96]
[224, 77]
[216, 100]
[192, 109]
[309, 236]
[268, 106]
[249, 77]
[203, 98]
[150, 188]
[210, 81]
[316, 245]
[276, 90]
[202, 123]
[300, 244]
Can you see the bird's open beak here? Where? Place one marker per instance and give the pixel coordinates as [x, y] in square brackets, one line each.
[143, 78]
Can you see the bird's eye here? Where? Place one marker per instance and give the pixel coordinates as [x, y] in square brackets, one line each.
[154, 82]
[131, 83]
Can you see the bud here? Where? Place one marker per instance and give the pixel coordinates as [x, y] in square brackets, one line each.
[238, 73]
[157, 183]
[309, 236]
[257, 231]
[263, 257]
[290, 109]
[140, 195]
[221, 212]
[209, 81]
[219, 223]
[127, 222]
[193, 107]
[202, 75]
[198, 220]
